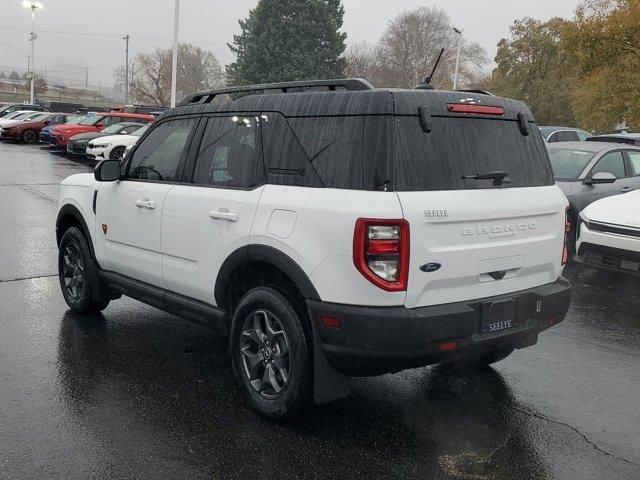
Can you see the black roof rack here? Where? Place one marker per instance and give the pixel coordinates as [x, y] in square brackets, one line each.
[352, 84]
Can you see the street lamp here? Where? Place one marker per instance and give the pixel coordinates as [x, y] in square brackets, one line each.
[455, 76]
[33, 6]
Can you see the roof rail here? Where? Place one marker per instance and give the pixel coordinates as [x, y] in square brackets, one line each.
[480, 92]
[352, 84]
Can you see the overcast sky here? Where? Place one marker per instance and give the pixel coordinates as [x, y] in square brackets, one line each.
[94, 27]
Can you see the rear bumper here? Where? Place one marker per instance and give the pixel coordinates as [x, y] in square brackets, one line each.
[378, 340]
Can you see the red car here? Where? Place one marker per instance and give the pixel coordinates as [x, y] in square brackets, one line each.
[28, 130]
[95, 123]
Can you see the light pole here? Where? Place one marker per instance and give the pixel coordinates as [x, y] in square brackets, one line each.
[126, 69]
[33, 6]
[174, 66]
[455, 76]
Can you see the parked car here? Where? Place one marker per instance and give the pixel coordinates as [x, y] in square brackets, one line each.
[78, 144]
[563, 134]
[63, 107]
[609, 234]
[149, 109]
[16, 116]
[114, 146]
[14, 107]
[588, 171]
[28, 131]
[45, 133]
[625, 138]
[328, 234]
[94, 123]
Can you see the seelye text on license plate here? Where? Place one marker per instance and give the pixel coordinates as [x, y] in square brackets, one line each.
[499, 315]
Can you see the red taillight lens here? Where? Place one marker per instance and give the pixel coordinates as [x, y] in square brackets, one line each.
[474, 109]
[381, 252]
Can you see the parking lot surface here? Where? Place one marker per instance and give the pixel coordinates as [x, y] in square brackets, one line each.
[138, 393]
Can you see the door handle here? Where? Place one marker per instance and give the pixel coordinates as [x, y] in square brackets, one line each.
[626, 189]
[145, 203]
[223, 214]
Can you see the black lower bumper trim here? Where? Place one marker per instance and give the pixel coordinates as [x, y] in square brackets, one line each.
[378, 340]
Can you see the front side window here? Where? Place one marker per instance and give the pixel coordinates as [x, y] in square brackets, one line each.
[229, 153]
[158, 156]
[612, 162]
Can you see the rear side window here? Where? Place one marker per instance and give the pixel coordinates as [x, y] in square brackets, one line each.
[333, 146]
[466, 146]
[567, 136]
[634, 159]
[229, 154]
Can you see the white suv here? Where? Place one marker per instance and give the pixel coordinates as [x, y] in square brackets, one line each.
[329, 230]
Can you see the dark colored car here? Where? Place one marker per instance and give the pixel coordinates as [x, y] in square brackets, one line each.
[14, 107]
[149, 109]
[95, 123]
[588, 171]
[563, 134]
[63, 107]
[28, 131]
[77, 145]
[624, 138]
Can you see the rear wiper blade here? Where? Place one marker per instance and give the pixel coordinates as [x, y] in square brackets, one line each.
[499, 177]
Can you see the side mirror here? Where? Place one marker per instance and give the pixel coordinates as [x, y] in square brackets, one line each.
[107, 171]
[99, 125]
[600, 178]
[46, 123]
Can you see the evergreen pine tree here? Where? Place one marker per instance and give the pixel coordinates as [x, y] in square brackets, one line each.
[285, 40]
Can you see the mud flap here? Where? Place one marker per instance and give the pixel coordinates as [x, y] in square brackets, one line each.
[328, 383]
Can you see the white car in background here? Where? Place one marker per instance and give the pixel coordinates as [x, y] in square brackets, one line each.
[113, 146]
[17, 116]
[609, 233]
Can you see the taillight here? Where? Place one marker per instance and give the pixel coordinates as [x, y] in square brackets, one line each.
[474, 109]
[381, 252]
[567, 231]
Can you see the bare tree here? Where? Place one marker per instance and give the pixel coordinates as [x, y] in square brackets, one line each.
[198, 69]
[361, 61]
[408, 50]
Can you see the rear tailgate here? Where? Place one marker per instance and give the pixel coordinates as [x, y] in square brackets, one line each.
[481, 237]
[485, 242]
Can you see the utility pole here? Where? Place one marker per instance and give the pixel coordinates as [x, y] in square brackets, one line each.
[174, 66]
[86, 76]
[455, 75]
[126, 69]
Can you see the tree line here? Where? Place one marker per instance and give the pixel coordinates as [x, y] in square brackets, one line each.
[583, 72]
[286, 40]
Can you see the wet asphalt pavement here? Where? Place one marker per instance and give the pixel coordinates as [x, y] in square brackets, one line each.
[137, 393]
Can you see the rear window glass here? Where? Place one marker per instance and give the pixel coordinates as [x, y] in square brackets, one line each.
[568, 163]
[467, 146]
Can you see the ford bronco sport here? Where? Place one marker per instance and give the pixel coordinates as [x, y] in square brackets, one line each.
[328, 229]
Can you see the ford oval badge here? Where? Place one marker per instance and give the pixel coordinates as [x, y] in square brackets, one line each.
[430, 267]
